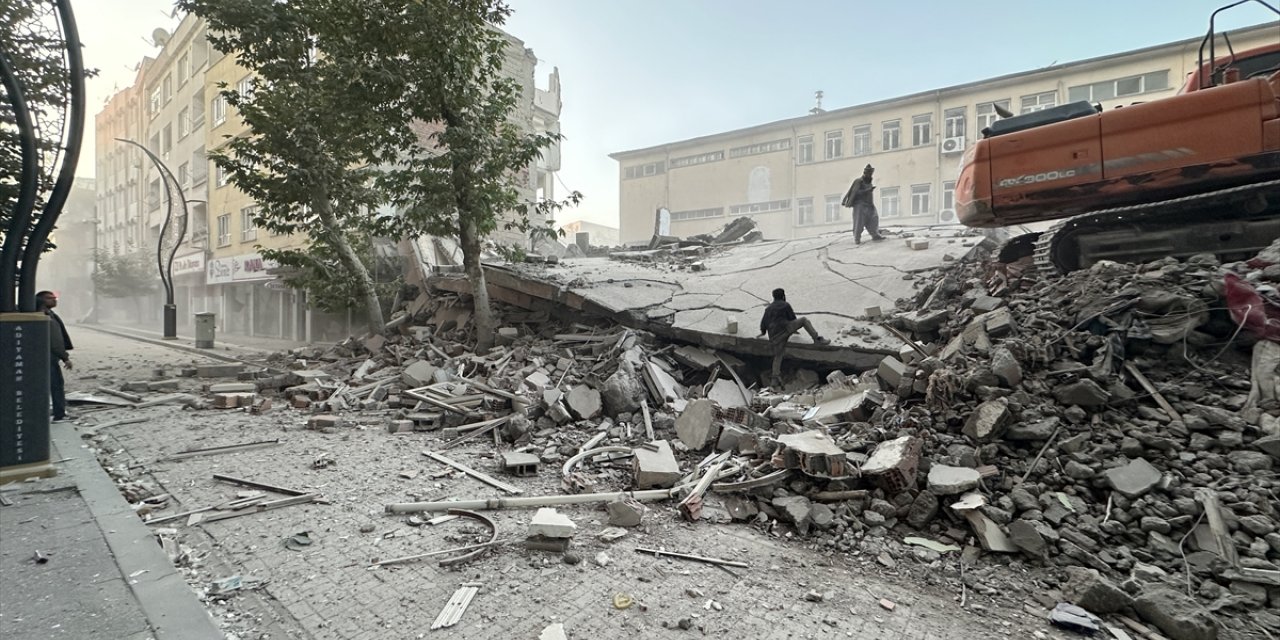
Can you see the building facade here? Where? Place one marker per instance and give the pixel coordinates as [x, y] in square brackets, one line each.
[791, 175]
[175, 109]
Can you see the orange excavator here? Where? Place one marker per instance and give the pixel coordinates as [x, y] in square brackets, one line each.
[1197, 172]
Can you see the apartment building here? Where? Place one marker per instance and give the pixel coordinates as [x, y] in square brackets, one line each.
[120, 191]
[790, 175]
[174, 108]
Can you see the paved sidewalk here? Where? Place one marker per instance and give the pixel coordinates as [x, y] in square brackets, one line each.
[105, 577]
[228, 347]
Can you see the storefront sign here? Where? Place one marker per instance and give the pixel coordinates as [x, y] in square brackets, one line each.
[188, 264]
[248, 267]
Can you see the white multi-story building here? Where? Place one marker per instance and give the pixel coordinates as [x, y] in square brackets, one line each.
[790, 175]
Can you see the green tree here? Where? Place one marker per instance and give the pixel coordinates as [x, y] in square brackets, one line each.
[125, 275]
[361, 104]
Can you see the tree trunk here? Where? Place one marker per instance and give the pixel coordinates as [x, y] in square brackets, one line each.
[469, 238]
[355, 267]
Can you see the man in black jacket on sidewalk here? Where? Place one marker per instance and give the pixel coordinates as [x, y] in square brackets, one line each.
[780, 321]
[59, 345]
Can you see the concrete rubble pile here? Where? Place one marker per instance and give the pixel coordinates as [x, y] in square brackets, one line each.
[1116, 426]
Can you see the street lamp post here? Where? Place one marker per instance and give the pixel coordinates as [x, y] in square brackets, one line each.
[172, 234]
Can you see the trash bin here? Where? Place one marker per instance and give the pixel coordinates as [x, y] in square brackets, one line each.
[204, 330]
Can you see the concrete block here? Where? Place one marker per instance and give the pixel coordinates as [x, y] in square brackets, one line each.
[537, 381]
[949, 481]
[656, 466]
[917, 244]
[301, 402]
[584, 402]
[233, 387]
[984, 304]
[893, 464]
[225, 400]
[873, 312]
[625, 513]
[136, 385]
[520, 464]
[1134, 479]
[891, 371]
[730, 436]
[163, 385]
[1000, 323]
[507, 335]
[418, 373]
[988, 421]
[260, 406]
[400, 426]
[324, 422]
[543, 543]
[813, 452]
[218, 370]
[696, 427]
[547, 522]
[925, 321]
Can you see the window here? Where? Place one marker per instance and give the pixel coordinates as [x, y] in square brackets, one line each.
[153, 106]
[153, 195]
[245, 87]
[702, 158]
[862, 140]
[219, 109]
[920, 199]
[804, 149]
[644, 170]
[224, 230]
[184, 68]
[834, 212]
[759, 207]
[199, 166]
[167, 86]
[197, 110]
[184, 123]
[921, 130]
[835, 145]
[987, 112]
[953, 123]
[1120, 87]
[804, 211]
[248, 227]
[697, 214]
[949, 195]
[166, 140]
[1039, 101]
[891, 135]
[762, 147]
[889, 202]
[223, 176]
[184, 174]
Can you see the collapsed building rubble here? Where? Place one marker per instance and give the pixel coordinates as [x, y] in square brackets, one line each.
[1118, 426]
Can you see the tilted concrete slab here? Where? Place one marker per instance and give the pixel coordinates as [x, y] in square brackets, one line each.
[828, 279]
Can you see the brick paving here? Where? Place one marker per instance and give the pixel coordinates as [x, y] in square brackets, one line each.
[328, 592]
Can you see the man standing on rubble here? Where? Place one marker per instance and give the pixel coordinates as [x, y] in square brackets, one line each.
[858, 197]
[780, 321]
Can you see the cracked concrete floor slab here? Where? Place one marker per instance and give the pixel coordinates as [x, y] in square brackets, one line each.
[829, 279]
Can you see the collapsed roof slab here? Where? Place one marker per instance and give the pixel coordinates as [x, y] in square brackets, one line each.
[828, 279]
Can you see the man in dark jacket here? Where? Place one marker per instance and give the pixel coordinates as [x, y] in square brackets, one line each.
[780, 321]
[859, 197]
[59, 345]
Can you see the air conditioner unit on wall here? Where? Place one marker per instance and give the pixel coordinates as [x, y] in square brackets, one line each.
[947, 216]
[953, 145]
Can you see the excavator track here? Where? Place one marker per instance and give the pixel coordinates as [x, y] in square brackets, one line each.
[1149, 229]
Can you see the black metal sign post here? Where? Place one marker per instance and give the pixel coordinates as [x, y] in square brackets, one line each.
[46, 126]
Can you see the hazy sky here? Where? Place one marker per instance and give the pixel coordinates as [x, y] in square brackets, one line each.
[641, 73]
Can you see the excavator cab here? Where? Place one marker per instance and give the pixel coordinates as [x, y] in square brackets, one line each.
[1192, 173]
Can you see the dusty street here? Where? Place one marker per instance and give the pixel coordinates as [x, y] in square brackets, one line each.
[324, 590]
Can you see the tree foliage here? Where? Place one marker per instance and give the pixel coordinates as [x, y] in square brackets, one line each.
[124, 275]
[318, 270]
[363, 104]
[35, 50]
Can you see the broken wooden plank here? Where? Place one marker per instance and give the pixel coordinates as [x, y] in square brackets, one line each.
[169, 399]
[265, 506]
[490, 426]
[648, 421]
[1151, 389]
[123, 395]
[456, 606]
[478, 475]
[231, 448]
[417, 394]
[689, 556]
[691, 506]
[1222, 535]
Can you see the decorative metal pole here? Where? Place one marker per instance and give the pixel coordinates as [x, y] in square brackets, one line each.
[172, 233]
[44, 86]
